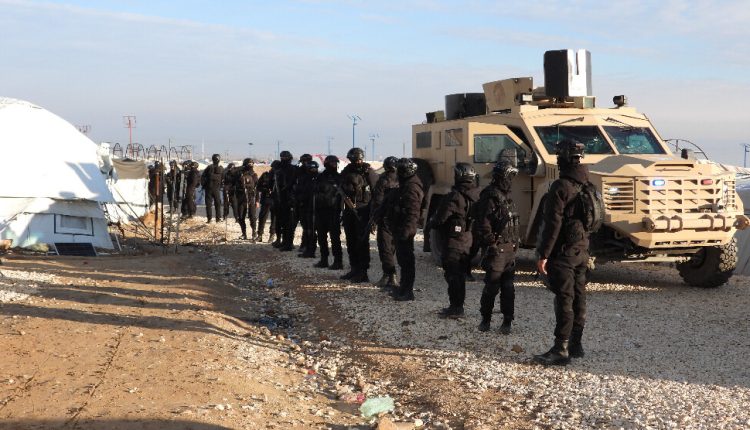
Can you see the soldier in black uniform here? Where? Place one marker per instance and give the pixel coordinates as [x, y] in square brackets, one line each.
[211, 183]
[403, 217]
[284, 183]
[192, 180]
[357, 180]
[563, 254]
[453, 218]
[245, 182]
[227, 193]
[265, 198]
[301, 183]
[496, 229]
[173, 180]
[305, 191]
[328, 213]
[387, 183]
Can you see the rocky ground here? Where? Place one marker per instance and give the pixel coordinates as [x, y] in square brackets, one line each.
[228, 334]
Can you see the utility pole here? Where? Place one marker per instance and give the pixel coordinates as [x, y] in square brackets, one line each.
[329, 145]
[354, 119]
[373, 136]
[746, 146]
[129, 121]
[278, 149]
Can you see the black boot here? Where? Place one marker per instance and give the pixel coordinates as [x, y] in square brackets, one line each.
[359, 277]
[337, 264]
[323, 263]
[403, 296]
[276, 243]
[349, 274]
[452, 312]
[575, 348]
[383, 281]
[557, 355]
[485, 324]
[505, 328]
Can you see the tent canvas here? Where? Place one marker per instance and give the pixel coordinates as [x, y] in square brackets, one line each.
[129, 186]
[60, 200]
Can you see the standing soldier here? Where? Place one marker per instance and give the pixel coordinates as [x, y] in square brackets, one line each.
[496, 229]
[305, 202]
[328, 213]
[211, 183]
[245, 181]
[387, 183]
[283, 186]
[454, 219]
[357, 180]
[265, 191]
[173, 181]
[301, 184]
[192, 179]
[404, 217]
[563, 254]
[226, 190]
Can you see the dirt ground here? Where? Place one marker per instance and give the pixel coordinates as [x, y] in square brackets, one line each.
[193, 341]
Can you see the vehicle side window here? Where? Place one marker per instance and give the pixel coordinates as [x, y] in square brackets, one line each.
[454, 137]
[489, 147]
[424, 139]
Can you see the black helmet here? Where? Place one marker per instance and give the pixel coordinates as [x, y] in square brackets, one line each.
[312, 166]
[464, 172]
[355, 154]
[331, 162]
[173, 163]
[187, 163]
[389, 164]
[304, 159]
[569, 152]
[285, 156]
[275, 164]
[503, 173]
[405, 167]
[230, 165]
[248, 163]
[215, 158]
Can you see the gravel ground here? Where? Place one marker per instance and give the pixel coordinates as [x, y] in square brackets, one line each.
[659, 354]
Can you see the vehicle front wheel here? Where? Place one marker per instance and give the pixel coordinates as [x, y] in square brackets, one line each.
[711, 266]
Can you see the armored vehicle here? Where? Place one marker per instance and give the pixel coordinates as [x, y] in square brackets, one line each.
[659, 206]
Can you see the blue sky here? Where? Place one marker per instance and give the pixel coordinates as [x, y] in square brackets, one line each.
[232, 72]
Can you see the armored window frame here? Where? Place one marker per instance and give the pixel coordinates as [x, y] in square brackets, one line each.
[621, 137]
[505, 143]
[590, 135]
[454, 137]
[424, 139]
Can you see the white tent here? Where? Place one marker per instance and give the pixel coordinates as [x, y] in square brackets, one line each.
[58, 199]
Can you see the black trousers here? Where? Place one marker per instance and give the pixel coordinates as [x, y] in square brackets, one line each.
[228, 196]
[406, 261]
[188, 203]
[245, 209]
[307, 219]
[288, 223]
[500, 272]
[213, 198]
[328, 225]
[172, 197]
[386, 248]
[455, 265]
[567, 274]
[357, 238]
[266, 209]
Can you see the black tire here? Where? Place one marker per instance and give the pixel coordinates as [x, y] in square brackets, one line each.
[711, 266]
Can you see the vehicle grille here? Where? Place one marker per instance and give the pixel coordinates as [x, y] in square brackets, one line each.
[618, 196]
[684, 196]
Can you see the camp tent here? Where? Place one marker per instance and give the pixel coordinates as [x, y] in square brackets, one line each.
[51, 186]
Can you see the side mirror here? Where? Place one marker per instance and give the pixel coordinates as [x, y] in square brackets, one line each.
[687, 154]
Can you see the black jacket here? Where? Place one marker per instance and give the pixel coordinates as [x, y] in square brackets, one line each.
[245, 183]
[212, 176]
[284, 178]
[404, 211]
[326, 191]
[265, 185]
[453, 215]
[559, 221]
[357, 182]
[496, 218]
[387, 183]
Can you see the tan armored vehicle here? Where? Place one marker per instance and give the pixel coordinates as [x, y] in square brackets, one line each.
[659, 207]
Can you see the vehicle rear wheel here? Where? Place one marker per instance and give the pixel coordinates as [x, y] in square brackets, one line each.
[711, 266]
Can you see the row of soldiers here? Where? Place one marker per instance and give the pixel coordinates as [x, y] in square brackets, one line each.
[391, 204]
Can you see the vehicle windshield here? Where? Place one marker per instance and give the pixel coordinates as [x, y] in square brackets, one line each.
[589, 135]
[634, 140]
